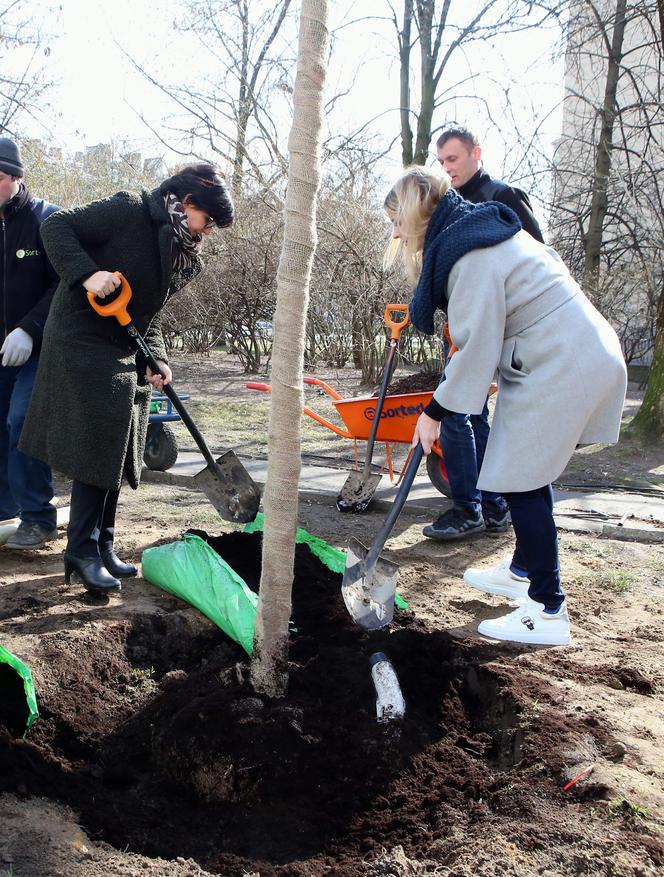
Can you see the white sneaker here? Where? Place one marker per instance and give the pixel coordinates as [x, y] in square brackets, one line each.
[498, 580]
[530, 624]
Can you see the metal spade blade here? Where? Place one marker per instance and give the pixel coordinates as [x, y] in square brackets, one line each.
[357, 491]
[368, 589]
[370, 581]
[359, 488]
[230, 488]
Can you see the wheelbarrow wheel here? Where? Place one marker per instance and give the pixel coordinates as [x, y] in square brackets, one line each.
[438, 474]
[161, 447]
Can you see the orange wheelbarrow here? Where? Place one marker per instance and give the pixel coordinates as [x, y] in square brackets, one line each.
[396, 426]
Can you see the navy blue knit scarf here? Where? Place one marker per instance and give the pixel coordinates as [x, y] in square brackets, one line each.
[456, 227]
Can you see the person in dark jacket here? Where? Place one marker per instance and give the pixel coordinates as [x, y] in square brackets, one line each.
[463, 437]
[27, 285]
[89, 412]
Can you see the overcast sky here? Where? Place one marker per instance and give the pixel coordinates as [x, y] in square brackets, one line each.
[98, 95]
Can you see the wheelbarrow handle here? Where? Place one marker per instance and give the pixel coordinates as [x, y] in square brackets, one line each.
[396, 327]
[118, 306]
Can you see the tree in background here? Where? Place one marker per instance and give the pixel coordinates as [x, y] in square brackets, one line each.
[649, 420]
[233, 111]
[437, 30]
[608, 216]
[280, 501]
[22, 49]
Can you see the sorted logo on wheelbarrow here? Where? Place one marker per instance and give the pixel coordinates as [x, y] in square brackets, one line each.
[397, 419]
[400, 411]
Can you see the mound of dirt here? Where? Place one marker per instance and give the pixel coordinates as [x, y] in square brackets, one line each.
[420, 382]
[199, 766]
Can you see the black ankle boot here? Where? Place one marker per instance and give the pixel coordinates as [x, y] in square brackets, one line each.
[91, 572]
[117, 567]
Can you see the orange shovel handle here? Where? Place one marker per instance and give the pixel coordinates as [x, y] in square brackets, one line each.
[395, 327]
[118, 307]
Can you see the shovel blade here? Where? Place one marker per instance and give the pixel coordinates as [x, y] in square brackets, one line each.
[230, 489]
[368, 592]
[357, 492]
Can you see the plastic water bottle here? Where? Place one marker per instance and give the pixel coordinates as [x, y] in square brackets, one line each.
[389, 699]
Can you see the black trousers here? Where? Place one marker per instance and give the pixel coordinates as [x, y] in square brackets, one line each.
[91, 520]
[536, 550]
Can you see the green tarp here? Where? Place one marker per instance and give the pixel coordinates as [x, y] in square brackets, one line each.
[192, 570]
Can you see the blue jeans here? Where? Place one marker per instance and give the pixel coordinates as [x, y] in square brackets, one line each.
[26, 486]
[463, 439]
[536, 551]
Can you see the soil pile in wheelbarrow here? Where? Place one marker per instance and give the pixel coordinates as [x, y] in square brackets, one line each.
[195, 764]
[420, 382]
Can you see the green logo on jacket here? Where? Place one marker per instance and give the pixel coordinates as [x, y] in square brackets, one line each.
[21, 254]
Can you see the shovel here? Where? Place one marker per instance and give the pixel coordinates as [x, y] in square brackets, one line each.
[224, 481]
[360, 486]
[370, 581]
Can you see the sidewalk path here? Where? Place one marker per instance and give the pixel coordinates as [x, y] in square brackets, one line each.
[619, 515]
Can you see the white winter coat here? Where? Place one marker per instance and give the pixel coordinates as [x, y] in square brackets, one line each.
[515, 308]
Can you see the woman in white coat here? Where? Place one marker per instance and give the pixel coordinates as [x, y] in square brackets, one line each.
[512, 307]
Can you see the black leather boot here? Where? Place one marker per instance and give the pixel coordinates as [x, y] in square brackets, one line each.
[117, 567]
[91, 572]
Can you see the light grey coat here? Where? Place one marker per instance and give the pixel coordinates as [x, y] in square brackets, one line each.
[515, 308]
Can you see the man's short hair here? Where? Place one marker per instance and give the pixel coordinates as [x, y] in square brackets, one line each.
[460, 133]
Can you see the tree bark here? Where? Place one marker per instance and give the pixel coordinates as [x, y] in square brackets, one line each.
[649, 419]
[600, 201]
[270, 663]
[426, 10]
[404, 84]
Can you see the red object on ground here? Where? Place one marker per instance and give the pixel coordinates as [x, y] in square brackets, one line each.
[579, 776]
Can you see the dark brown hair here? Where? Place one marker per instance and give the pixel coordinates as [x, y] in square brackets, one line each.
[460, 133]
[205, 185]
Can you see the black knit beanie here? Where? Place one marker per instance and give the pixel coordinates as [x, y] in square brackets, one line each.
[10, 157]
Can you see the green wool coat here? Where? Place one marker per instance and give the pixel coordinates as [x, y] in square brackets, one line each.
[89, 410]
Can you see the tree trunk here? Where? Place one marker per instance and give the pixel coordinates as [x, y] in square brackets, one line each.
[404, 84]
[649, 420]
[280, 502]
[427, 86]
[600, 201]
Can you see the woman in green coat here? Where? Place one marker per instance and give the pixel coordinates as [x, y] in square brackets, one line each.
[89, 411]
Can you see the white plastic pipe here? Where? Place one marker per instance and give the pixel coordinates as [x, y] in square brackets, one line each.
[390, 703]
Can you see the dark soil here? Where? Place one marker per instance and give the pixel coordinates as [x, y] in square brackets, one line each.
[194, 764]
[14, 710]
[420, 382]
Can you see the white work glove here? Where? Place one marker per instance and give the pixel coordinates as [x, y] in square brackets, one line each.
[17, 348]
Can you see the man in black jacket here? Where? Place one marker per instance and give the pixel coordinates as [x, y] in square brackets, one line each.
[27, 285]
[463, 437]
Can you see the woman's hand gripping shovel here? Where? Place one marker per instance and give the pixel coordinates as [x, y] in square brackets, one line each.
[224, 481]
[360, 486]
[370, 582]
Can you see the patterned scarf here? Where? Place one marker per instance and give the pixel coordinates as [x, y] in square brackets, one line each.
[456, 227]
[186, 245]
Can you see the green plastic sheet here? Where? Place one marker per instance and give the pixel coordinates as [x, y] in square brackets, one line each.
[25, 674]
[333, 558]
[193, 571]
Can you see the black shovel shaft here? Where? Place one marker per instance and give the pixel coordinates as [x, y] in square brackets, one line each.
[387, 374]
[134, 334]
[397, 505]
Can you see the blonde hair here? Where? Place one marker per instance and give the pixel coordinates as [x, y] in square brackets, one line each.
[413, 199]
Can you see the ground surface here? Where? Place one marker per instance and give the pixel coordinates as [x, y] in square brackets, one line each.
[153, 756]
